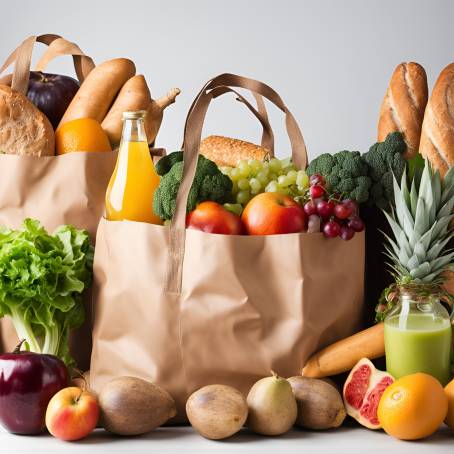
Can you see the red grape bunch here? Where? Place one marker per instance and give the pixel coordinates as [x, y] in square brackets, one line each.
[331, 216]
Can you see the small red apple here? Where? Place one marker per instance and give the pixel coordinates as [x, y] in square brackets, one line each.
[72, 414]
[211, 217]
[271, 213]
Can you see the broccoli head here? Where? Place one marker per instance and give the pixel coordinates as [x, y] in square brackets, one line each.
[209, 184]
[385, 159]
[166, 162]
[345, 172]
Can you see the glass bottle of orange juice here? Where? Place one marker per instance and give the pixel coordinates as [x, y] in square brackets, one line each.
[131, 188]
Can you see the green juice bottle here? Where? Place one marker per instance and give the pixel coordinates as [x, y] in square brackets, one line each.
[418, 335]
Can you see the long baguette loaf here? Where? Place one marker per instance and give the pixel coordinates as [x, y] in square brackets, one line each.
[437, 136]
[403, 106]
[99, 89]
[344, 354]
[134, 95]
[225, 151]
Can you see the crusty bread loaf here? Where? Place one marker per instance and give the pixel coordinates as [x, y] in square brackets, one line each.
[225, 151]
[24, 129]
[403, 106]
[98, 90]
[134, 95]
[437, 136]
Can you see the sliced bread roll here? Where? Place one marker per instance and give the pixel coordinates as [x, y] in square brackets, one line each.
[225, 151]
[437, 136]
[24, 129]
[403, 106]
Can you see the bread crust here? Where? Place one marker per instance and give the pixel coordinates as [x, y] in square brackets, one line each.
[24, 129]
[98, 91]
[133, 96]
[437, 136]
[225, 151]
[404, 104]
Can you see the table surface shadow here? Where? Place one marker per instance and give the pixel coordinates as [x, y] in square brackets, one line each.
[350, 439]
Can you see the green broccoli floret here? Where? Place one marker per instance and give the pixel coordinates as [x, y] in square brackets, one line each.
[209, 184]
[385, 159]
[345, 172]
[166, 162]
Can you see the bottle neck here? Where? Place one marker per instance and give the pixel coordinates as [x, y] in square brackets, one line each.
[133, 130]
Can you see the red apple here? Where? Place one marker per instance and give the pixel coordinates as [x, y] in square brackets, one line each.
[271, 213]
[211, 217]
[72, 414]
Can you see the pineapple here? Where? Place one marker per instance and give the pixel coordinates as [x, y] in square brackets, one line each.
[420, 222]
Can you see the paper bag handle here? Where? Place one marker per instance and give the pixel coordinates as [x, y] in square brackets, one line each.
[193, 133]
[260, 113]
[22, 57]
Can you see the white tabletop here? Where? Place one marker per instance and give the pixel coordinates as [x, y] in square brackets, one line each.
[351, 440]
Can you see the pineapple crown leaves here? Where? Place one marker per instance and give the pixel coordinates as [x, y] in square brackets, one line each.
[420, 223]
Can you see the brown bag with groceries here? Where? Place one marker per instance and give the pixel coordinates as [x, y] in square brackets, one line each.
[183, 308]
[56, 140]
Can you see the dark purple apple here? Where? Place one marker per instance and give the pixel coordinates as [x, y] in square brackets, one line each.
[51, 94]
[27, 383]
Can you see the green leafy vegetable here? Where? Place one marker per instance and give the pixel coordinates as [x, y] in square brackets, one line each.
[367, 178]
[42, 278]
[209, 184]
[385, 160]
[345, 173]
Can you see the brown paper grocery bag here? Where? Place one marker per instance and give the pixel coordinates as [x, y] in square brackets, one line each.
[183, 308]
[67, 189]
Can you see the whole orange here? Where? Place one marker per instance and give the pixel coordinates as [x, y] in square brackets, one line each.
[449, 391]
[413, 407]
[83, 134]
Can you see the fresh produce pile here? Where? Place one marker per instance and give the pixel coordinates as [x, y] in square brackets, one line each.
[272, 197]
[58, 116]
[237, 190]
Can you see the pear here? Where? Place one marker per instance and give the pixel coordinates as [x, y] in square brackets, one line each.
[217, 411]
[272, 406]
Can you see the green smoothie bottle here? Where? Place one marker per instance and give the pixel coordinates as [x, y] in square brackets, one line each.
[418, 334]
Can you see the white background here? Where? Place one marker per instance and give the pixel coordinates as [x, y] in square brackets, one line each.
[330, 60]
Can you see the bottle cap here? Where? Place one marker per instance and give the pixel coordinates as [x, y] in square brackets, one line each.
[136, 115]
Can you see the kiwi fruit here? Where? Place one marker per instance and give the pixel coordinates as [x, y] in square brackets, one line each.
[320, 404]
[217, 411]
[132, 406]
[272, 406]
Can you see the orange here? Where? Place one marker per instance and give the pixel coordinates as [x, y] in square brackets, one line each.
[449, 391]
[83, 134]
[413, 407]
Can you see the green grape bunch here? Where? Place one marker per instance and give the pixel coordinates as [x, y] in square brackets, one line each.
[251, 177]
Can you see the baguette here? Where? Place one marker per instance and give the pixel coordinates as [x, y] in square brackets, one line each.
[24, 129]
[134, 95]
[343, 355]
[99, 89]
[155, 112]
[225, 151]
[437, 136]
[403, 106]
